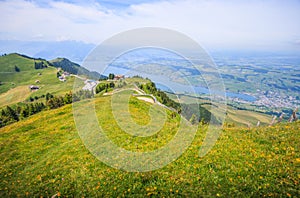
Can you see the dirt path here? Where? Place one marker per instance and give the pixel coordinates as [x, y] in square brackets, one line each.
[146, 99]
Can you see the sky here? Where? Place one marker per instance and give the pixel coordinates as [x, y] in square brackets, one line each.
[232, 24]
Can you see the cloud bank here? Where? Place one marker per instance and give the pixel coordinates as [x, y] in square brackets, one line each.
[255, 24]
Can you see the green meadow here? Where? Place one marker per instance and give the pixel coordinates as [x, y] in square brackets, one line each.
[15, 85]
[43, 155]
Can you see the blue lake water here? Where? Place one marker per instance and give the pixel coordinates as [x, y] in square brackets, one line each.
[179, 87]
[203, 90]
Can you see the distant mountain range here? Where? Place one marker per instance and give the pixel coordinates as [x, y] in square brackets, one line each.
[72, 50]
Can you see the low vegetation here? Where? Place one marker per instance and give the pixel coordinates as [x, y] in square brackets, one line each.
[39, 161]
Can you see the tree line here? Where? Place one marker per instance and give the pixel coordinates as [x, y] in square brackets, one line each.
[192, 112]
[104, 86]
[162, 97]
[11, 114]
[40, 65]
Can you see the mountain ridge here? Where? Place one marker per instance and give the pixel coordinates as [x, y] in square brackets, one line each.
[64, 63]
[73, 50]
[75, 68]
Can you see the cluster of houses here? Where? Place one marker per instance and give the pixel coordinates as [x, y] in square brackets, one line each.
[89, 84]
[63, 76]
[119, 77]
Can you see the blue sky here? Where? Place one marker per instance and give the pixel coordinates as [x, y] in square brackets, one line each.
[256, 24]
[109, 4]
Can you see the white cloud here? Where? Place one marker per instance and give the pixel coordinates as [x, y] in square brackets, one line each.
[224, 22]
[213, 23]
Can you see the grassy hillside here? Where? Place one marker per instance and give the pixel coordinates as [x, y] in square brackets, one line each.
[233, 116]
[15, 84]
[14, 95]
[242, 117]
[10, 78]
[39, 161]
[75, 68]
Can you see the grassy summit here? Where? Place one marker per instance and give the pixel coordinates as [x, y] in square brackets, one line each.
[43, 156]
